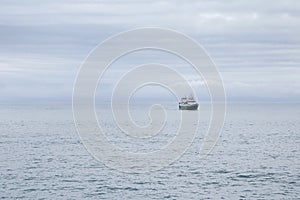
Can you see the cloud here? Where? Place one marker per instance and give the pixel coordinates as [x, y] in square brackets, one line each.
[254, 43]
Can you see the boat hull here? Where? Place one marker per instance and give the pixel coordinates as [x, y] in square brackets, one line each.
[188, 107]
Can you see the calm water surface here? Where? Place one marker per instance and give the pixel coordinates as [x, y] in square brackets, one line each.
[257, 157]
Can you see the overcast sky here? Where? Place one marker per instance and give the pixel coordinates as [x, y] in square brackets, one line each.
[255, 44]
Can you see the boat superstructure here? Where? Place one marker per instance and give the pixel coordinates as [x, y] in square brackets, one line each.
[188, 103]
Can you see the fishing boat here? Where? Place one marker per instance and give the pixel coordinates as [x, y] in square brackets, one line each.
[188, 103]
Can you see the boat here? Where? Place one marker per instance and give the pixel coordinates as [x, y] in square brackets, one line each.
[188, 103]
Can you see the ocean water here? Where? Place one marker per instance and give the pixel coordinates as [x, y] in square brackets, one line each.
[256, 157]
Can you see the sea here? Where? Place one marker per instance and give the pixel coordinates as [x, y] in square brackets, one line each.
[257, 155]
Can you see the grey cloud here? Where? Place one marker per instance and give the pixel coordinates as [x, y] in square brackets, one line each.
[50, 39]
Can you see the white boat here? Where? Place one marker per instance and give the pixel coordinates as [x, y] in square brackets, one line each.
[188, 103]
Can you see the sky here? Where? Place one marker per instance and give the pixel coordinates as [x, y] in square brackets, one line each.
[255, 44]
